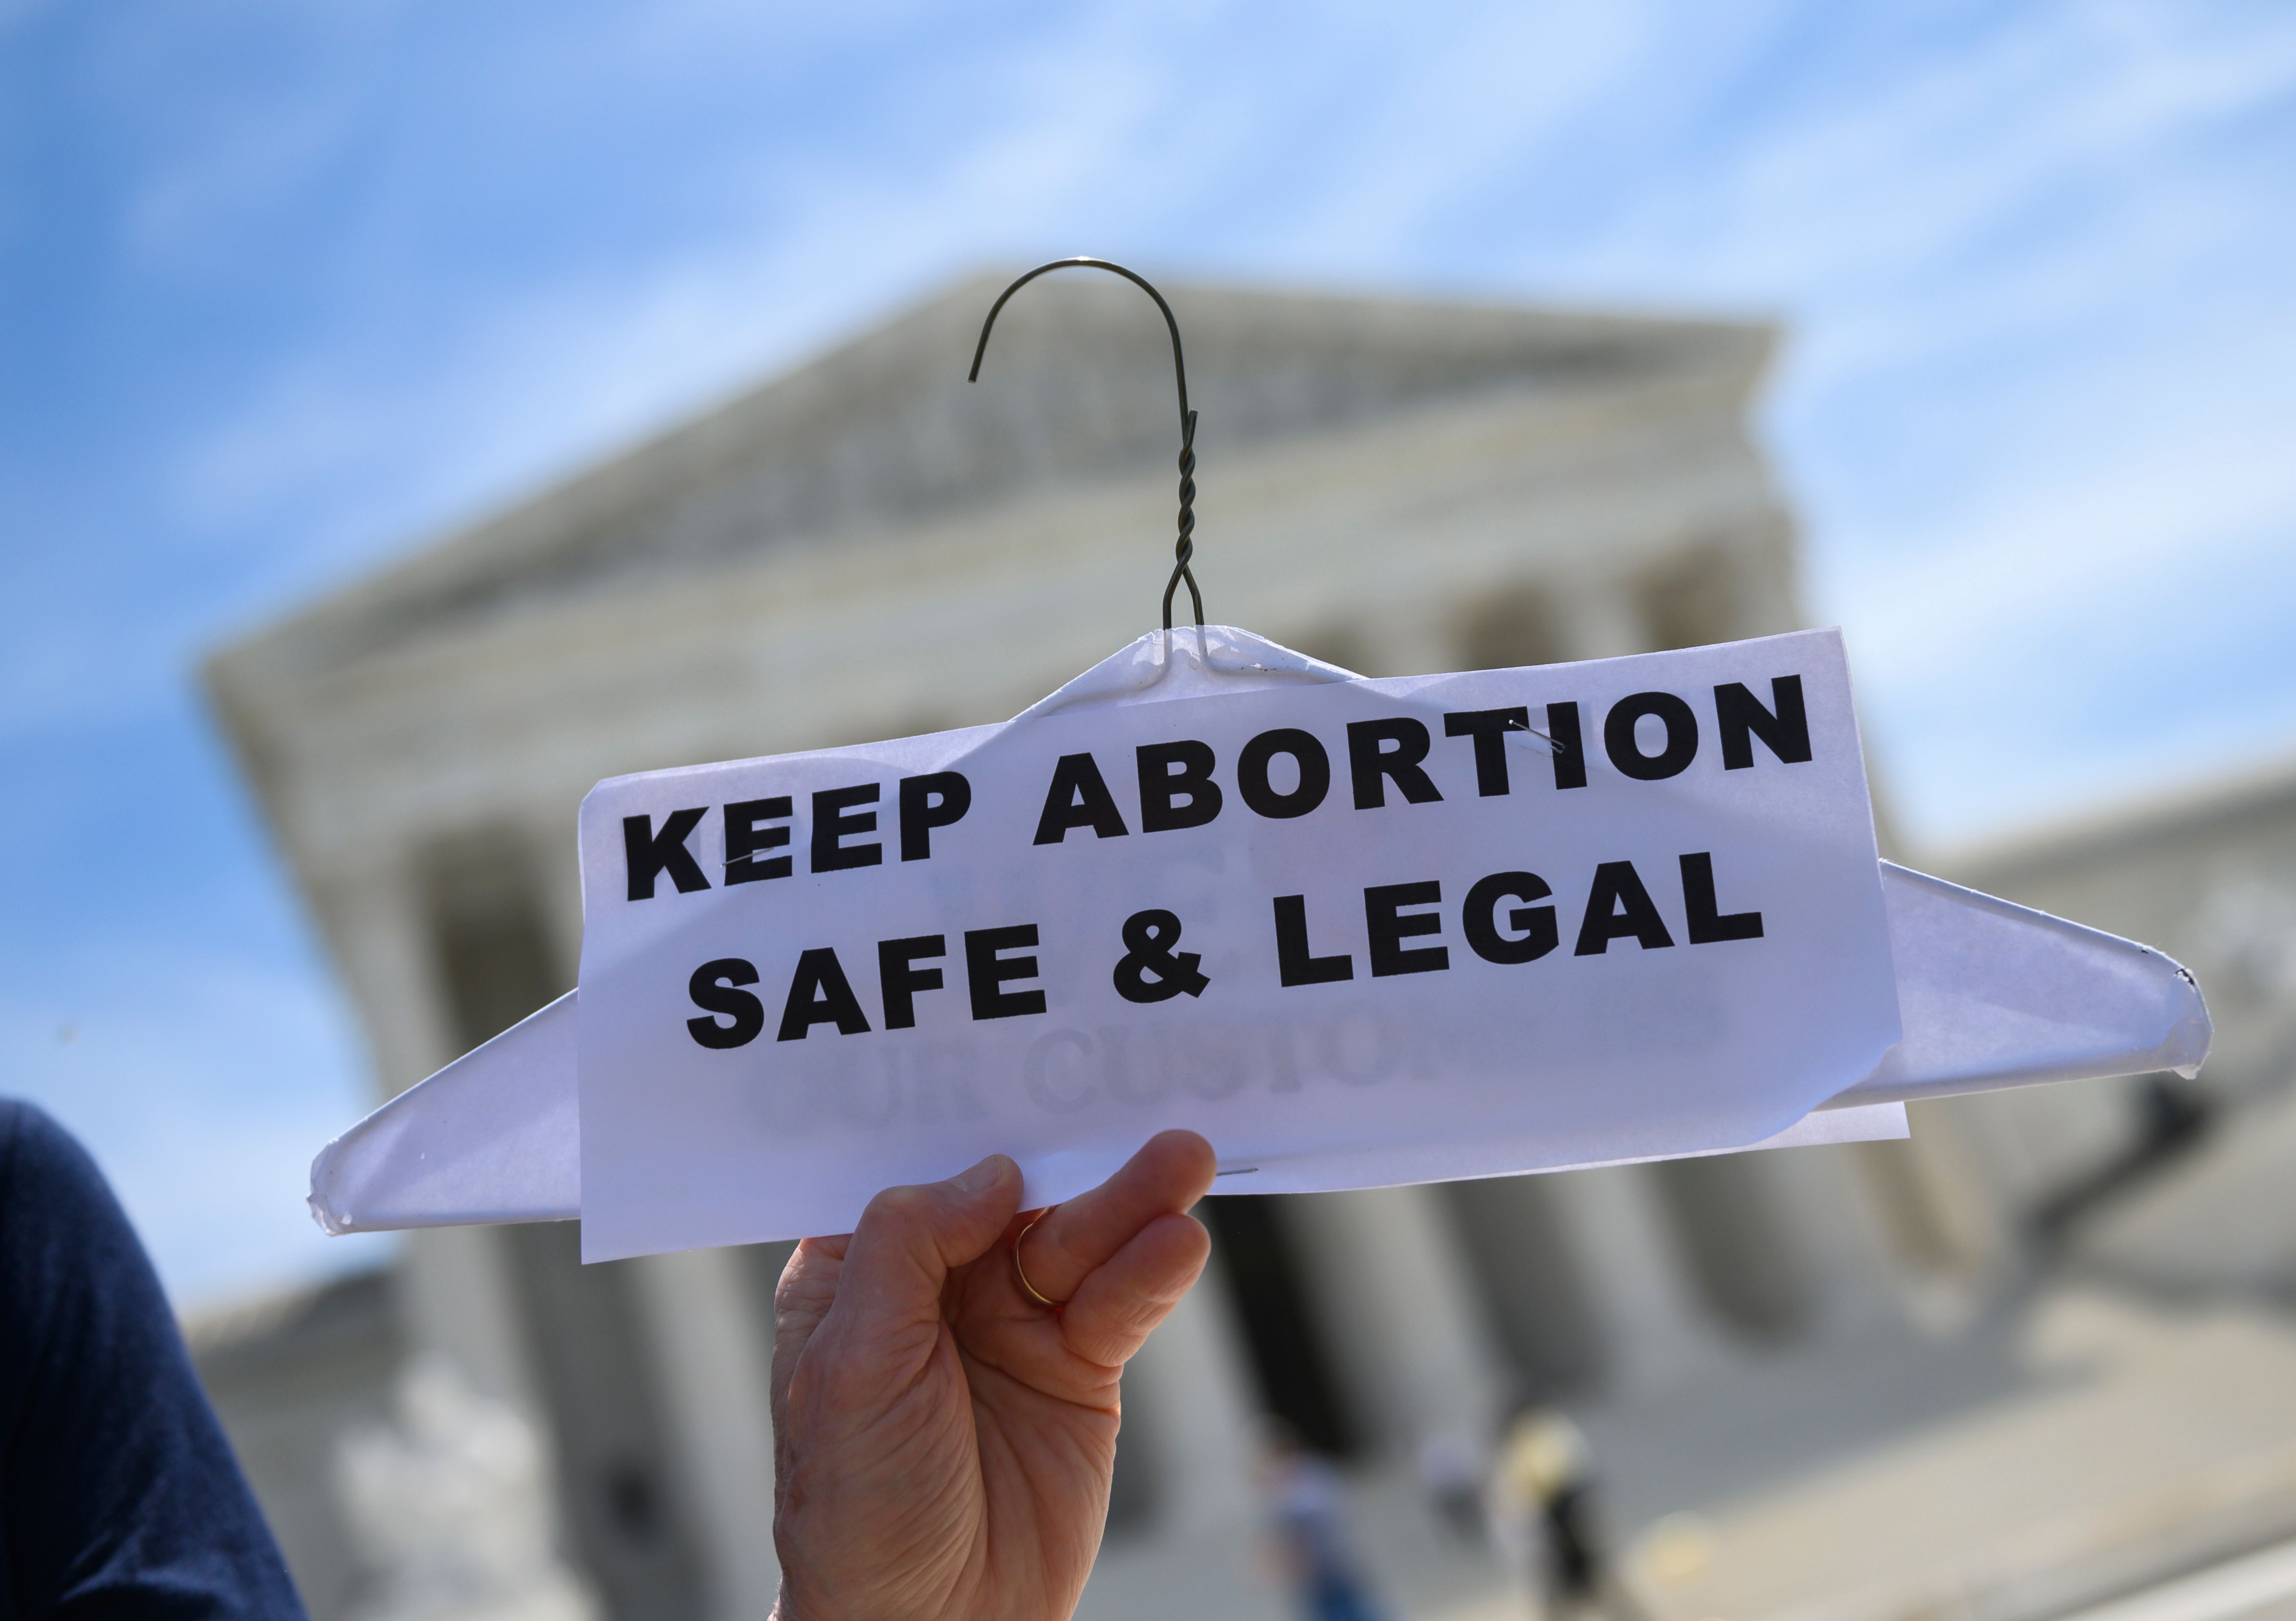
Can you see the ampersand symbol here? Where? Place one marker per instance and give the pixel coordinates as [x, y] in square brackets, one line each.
[1152, 936]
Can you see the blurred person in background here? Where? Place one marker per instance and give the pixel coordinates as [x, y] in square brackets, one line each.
[119, 1496]
[1314, 1543]
[1452, 1468]
[1540, 1505]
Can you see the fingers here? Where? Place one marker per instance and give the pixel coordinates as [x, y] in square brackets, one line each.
[909, 1239]
[807, 1288]
[1169, 1173]
[1116, 1305]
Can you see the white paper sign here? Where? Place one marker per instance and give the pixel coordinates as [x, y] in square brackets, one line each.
[1305, 919]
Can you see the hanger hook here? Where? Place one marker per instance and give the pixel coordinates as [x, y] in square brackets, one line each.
[1185, 550]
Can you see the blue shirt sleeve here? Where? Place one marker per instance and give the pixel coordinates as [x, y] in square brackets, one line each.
[120, 1498]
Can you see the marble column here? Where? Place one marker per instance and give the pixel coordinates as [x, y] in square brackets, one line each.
[453, 1283]
[1939, 1208]
[1511, 1231]
[457, 1296]
[1188, 1404]
[1653, 1328]
[373, 914]
[711, 1357]
[1836, 1237]
[1399, 1313]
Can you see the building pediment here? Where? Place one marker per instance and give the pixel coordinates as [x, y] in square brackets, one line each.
[882, 430]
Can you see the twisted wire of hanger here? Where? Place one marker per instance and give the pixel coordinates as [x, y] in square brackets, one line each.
[1184, 550]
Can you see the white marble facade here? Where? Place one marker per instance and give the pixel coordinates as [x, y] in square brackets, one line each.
[866, 547]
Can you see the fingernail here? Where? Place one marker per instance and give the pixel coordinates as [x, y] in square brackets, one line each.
[982, 1177]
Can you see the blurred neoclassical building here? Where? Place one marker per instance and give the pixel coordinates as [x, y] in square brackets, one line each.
[867, 547]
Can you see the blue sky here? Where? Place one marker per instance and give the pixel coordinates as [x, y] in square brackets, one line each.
[289, 287]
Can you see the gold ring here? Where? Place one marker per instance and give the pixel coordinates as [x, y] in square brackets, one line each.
[1021, 1276]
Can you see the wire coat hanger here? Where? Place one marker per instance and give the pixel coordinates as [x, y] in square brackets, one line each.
[1185, 550]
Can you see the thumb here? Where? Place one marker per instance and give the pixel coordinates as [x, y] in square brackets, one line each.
[910, 1238]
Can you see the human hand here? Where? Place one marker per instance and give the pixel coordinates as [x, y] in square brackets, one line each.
[943, 1444]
